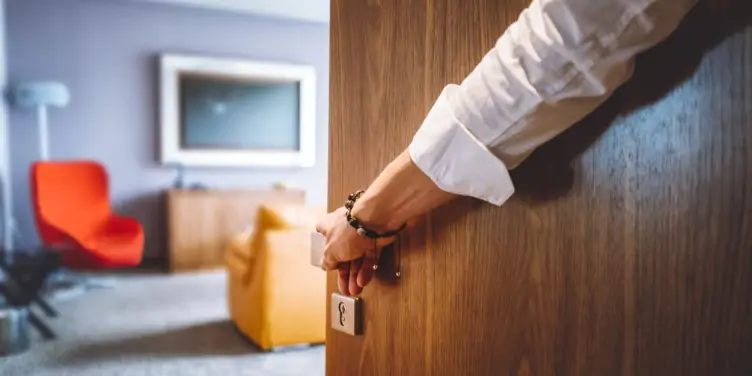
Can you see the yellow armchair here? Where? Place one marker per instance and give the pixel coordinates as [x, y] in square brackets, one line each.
[275, 297]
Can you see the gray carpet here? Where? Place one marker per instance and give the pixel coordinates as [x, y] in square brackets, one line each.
[155, 325]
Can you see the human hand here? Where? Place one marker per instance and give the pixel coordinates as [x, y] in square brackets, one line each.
[351, 254]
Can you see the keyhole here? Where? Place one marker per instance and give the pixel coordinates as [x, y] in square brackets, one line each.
[342, 310]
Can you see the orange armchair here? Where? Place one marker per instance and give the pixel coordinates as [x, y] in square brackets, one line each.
[72, 212]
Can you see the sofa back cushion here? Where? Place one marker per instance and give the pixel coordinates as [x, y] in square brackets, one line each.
[287, 216]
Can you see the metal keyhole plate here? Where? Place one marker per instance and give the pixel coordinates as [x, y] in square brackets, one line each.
[346, 314]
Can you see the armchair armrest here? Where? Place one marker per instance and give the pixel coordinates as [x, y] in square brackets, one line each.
[68, 241]
[289, 259]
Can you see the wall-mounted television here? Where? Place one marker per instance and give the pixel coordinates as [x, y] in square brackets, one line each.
[227, 112]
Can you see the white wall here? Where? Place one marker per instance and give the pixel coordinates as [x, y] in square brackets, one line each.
[306, 10]
[7, 234]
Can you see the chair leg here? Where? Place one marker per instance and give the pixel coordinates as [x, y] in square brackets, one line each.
[45, 306]
[43, 329]
[21, 294]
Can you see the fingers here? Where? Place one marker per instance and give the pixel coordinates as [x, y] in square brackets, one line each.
[344, 278]
[354, 271]
[348, 252]
[366, 272]
[354, 276]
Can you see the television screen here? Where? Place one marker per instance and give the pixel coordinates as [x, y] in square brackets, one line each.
[220, 112]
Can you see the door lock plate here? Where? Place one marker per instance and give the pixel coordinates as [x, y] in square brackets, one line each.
[347, 314]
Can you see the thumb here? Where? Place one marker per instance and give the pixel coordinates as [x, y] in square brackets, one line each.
[329, 262]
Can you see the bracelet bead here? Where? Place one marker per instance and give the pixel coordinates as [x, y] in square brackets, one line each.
[362, 231]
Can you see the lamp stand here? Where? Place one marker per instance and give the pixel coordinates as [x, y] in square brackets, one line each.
[44, 152]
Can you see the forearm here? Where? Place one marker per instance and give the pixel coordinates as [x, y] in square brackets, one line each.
[399, 194]
[477, 131]
[550, 69]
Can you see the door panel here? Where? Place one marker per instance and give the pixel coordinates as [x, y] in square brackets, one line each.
[627, 248]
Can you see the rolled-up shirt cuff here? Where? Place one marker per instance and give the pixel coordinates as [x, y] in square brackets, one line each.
[454, 159]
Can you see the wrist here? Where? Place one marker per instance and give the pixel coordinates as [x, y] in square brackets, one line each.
[373, 216]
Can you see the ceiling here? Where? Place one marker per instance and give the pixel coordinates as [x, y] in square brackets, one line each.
[307, 10]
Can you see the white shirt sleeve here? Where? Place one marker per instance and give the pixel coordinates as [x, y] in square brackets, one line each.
[559, 61]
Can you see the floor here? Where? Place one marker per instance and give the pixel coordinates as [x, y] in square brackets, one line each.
[155, 325]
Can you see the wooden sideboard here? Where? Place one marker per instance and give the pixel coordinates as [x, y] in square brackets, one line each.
[201, 222]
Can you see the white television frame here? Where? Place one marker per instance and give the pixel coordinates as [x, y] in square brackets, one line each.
[171, 66]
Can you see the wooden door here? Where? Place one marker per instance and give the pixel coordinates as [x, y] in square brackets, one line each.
[627, 248]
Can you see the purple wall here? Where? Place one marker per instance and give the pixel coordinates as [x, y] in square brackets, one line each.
[106, 52]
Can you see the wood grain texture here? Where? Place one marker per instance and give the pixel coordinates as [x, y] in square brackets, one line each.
[627, 248]
[201, 223]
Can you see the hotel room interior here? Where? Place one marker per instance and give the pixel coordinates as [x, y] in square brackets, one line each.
[164, 163]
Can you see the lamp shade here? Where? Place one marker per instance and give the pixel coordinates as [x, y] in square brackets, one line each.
[36, 94]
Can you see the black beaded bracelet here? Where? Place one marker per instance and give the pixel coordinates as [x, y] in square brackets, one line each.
[358, 227]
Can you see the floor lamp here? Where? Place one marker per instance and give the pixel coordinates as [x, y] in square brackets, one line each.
[40, 96]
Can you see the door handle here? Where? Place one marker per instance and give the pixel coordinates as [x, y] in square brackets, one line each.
[318, 242]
